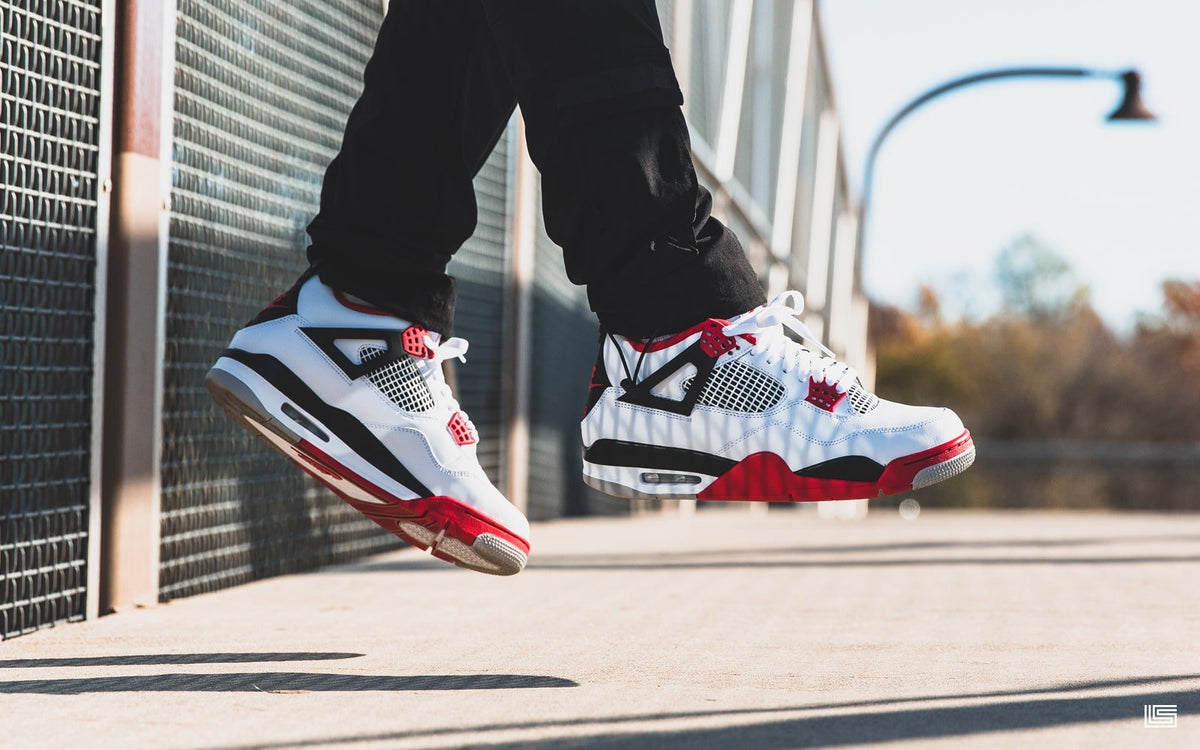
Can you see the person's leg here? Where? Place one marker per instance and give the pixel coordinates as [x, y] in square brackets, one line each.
[398, 200]
[620, 195]
[355, 393]
[729, 407]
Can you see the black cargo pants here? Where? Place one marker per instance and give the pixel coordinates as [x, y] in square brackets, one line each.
[603, 125]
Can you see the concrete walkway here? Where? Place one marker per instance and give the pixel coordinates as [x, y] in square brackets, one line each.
[726, 629]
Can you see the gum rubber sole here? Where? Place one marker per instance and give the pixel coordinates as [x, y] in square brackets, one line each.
[449, 529]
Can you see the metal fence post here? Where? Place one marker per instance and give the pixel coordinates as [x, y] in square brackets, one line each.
[740, 27]
[840, 321]
[136, 304]
[795, 90]
[103, 207]
[821, 230]
[522, 241]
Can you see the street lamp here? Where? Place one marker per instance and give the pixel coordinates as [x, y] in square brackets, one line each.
[1131, 108]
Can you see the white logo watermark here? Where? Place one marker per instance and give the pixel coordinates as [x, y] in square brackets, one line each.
[1161, 716]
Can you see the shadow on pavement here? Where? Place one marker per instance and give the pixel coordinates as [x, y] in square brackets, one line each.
[720, 558]
[418, 560]
[847, 728]
[279, 682]
[129, 660]
[644, 562]
[883, 726]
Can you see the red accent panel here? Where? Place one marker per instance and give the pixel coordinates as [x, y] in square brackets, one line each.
[712, 324]
[413, 341]
[767, 477]
[593, 383]
[357, 307]
[823, 395]
[660, 344]
[595, 391]
[460, 429]
[278, 303]
[456, 518]
[898, 475]
[318, 466]
[713, 342]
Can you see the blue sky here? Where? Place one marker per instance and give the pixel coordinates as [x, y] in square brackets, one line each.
[968, 173]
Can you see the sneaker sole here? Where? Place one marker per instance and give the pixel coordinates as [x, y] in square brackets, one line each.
[766, 477]
[448, 528]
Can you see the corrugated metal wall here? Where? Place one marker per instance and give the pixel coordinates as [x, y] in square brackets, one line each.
[262, 92]
[481, 269]
[565, 342]
[50, 112]
[250, 148]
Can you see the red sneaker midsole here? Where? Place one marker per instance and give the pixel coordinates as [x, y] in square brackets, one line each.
[766, 477]
[434, 513]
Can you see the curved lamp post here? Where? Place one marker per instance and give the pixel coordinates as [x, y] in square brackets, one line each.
[1130, 108]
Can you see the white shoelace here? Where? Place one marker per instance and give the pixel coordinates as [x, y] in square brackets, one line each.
[451, 348]
[766, 324]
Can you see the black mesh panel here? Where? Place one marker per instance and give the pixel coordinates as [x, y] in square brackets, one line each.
[49, 149]
[263, 89]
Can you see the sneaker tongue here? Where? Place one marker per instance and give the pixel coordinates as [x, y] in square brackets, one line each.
[739, 318]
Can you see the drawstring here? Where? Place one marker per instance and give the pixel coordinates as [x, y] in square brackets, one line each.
[624, 364]
[637, 367]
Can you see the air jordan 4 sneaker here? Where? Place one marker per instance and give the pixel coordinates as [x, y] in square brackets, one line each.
[357, 398]
[740, 410]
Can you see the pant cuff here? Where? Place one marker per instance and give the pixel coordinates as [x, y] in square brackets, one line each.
[424, 299]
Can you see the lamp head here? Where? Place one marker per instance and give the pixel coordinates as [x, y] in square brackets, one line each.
[1131, 106]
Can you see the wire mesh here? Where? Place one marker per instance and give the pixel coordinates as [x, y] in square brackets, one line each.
[262, 92]
[49, 156]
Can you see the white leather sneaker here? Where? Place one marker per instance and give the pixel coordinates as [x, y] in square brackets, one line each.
[737, 410]
[357, 398]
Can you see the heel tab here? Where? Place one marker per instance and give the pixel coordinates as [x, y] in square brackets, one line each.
[323, 305]
[358, 305]
[285, 304]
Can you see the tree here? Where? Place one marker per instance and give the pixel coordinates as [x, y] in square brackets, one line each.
[1036, 282]
[1048, 368]
[1181, 303]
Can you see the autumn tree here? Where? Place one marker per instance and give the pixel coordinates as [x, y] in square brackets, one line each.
[1046, 367]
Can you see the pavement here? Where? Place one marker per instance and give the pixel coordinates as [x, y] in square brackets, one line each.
[722, 629]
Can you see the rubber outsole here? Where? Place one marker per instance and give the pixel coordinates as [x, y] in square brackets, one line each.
[942, 471]
[447, 528]
[766, 477]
